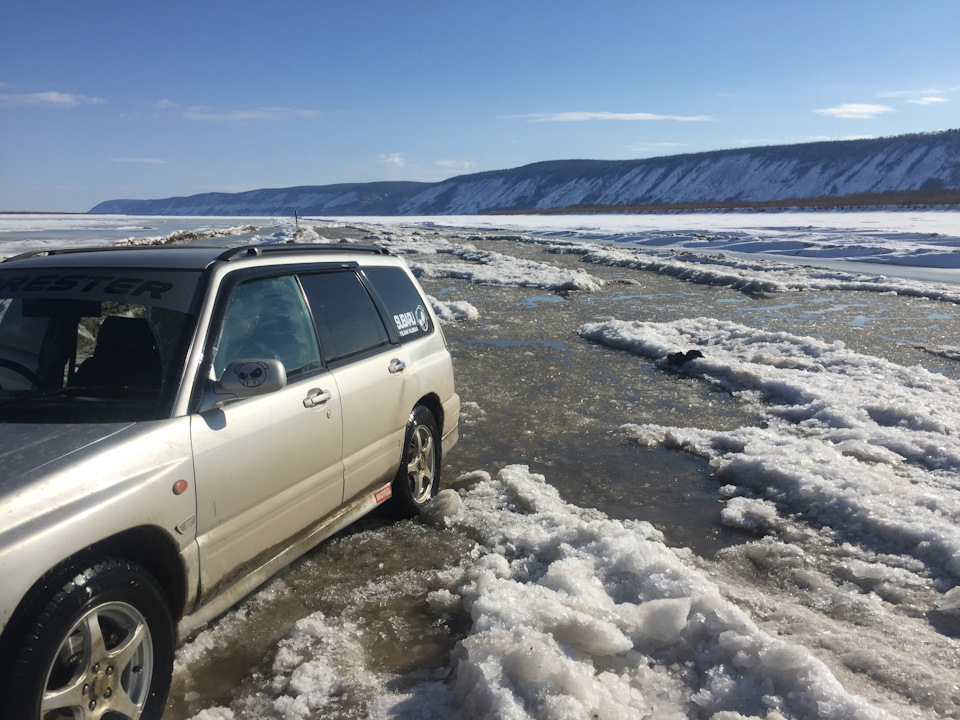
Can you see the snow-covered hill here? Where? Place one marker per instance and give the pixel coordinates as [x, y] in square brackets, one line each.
[906, 162]
[379, 198]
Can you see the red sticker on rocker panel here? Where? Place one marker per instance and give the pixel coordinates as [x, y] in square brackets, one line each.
[383, 494]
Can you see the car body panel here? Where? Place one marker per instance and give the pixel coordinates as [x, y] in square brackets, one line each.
[377, 404]
[27, 447]
[238, 490]
[104, 488]
[266, 467]
[450, 431]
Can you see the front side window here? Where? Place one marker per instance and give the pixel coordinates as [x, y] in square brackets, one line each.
[346, 317]
[267, 318]
[92, 345]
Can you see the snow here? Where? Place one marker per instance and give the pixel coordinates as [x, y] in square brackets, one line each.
[453, 310]
[849, 440]
[904, 236]
[492, 268]
[844, 602]
[784, 173]
[576, 615]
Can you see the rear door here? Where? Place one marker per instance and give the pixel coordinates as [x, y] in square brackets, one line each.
[268, 467]
[370, 369]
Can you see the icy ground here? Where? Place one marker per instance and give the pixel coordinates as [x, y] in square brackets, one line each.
[841, 601]
[845, 605]
[915, 237]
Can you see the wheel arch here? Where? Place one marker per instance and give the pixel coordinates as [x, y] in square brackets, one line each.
[432, 403]
[149, 547]
[156, 552]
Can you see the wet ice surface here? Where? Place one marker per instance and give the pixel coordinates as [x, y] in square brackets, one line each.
[768, 531]
[588, 566]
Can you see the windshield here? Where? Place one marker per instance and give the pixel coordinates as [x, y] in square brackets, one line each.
[93, 346]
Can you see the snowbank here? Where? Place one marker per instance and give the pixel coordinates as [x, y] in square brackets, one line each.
[574, 616]
[753, 276]
[577, 616]
[851, 441]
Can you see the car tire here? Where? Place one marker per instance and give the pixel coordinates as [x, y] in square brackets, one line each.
[418, 478]
[103, 642]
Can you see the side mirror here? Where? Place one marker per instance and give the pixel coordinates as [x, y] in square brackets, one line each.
[245, 378]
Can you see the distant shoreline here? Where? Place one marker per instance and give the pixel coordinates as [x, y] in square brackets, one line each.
[47, 212]
[908, 199]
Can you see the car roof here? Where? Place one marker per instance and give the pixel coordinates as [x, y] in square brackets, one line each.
[186, 257]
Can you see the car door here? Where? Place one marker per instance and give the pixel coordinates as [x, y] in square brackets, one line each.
[369, 369]
[267, 467]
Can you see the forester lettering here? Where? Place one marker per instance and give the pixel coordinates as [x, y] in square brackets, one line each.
[128, 286]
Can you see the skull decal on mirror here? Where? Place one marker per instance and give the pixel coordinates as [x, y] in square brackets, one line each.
[251, 374]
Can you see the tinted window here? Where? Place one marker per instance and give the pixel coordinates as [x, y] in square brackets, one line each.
[170, 290]
[346, 317]
[267, 318]
[404, 304]
[75, 347]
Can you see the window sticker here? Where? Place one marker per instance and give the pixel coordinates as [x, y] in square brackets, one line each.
[410, 322]
[170, 290]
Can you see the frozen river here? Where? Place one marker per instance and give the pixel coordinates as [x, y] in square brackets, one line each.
[770, 530]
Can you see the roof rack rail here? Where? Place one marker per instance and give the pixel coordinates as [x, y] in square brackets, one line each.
[99, 249]
[64, 251]
[234, 253]
[245, 251]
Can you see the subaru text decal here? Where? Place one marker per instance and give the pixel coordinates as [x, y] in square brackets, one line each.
[410, 322]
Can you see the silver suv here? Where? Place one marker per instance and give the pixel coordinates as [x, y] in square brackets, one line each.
[177, 425]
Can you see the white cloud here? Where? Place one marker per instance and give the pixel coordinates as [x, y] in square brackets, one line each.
[855, 111]
[50, 98]
[916, 93]
[587, 116]
[205, 113]
[208, 114]
[140, 160]
[927, 96]
[394, 159]
[456, 165]
[166, 106]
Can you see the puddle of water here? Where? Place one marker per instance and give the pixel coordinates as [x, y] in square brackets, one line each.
[536, 300]
[674, 492]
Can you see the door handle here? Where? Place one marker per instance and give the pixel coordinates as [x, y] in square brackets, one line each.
[396, 366]
[316, 397]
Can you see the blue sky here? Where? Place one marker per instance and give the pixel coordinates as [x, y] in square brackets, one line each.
[105, 99]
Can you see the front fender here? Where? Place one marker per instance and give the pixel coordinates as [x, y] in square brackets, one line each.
[129, 480]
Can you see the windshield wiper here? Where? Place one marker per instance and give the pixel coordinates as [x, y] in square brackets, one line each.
[11, 399]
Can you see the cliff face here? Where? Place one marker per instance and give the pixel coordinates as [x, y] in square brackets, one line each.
[380, 198]
[907, 162]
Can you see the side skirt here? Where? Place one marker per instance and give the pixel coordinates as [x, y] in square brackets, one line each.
[344, 516]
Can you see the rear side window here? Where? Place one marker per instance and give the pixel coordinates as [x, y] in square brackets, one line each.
[347, 319]
[404, 304]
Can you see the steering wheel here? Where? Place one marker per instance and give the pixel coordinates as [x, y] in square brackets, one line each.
[21, 370]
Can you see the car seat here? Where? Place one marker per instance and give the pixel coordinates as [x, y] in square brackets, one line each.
[125, 356]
